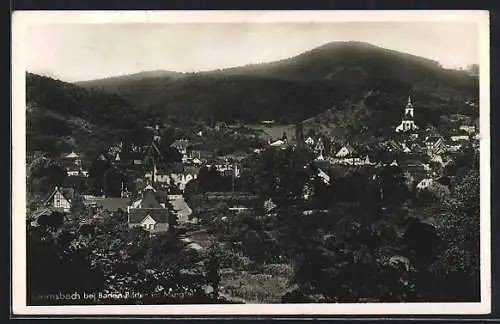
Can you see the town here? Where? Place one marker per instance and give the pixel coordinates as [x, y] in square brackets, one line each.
[421, 154]
[191, 187]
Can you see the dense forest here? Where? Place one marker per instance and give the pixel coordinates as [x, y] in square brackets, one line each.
[365, 236]
[62, 116]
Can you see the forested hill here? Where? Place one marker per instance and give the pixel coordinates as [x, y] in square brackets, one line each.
[331, 76]
[62, 116]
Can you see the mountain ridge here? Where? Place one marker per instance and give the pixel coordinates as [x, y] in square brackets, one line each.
[346, 78]
[327, 46]
[300, 87]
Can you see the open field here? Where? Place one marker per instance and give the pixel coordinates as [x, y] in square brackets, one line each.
[274, 131]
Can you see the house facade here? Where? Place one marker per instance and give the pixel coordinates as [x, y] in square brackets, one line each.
[61, 198]
[181, 145]
[154, 220]
[424, 183]
[150, 211]
[435, 145]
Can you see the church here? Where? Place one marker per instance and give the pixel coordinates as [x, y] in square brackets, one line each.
[407, 123]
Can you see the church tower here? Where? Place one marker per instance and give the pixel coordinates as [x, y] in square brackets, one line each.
[299, 134]
[407, 123]
[157, 134]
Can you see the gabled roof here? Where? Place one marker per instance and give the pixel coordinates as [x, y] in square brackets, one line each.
[149, 219]
[149, 200]
[136, 216]
[433, 139]
[345, 151]
[72, 155]
[425, 182]
[44, 211]
[68, 193]
[180, 143]
[161, 196]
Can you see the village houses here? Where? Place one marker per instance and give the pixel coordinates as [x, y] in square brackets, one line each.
[150, 212]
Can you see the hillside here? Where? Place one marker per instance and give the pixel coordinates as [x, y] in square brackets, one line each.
[62, 116]
[332, 76]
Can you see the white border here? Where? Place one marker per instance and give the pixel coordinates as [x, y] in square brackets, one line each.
[21, 19]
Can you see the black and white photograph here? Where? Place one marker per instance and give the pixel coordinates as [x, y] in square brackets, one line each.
[251, 162]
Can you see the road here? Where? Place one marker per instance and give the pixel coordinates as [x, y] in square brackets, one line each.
[182, 208]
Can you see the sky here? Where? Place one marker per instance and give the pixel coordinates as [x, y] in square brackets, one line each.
[77, 52]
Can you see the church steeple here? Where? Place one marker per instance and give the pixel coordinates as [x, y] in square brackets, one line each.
[409, 109]
[407, 123]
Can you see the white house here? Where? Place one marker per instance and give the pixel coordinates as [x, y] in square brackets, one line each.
[457, 138]
[438, 159]
[454, 148]
[309, 141]
[468, 129]
[425, 183]
[73, 171]
[406, 149]
[61, 198]
[149, 213]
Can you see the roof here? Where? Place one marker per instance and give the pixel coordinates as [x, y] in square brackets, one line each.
[344, 151]
[44, 211]
[112, 204]
[180, 143]
[72, 168]
[433, 139]
[149, 200]
[425, 181]
[71, 155]
[161, 196]
[277, 143]
[137, 215]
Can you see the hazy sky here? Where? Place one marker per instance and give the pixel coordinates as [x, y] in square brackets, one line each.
[73, 52]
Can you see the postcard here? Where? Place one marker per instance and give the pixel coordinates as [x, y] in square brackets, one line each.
[250, 163]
